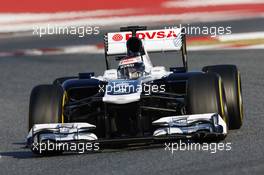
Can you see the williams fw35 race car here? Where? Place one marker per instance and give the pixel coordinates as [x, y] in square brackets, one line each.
[137, 102]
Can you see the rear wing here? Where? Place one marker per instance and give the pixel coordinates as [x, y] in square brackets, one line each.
[163, 40]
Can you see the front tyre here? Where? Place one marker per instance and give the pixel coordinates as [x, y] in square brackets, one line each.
[205, 94]
[232, 85]
[46, 105]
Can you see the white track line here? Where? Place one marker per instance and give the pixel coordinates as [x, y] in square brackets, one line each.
[21, 22]
[203, 3]
[93, 49]
[241, 36]
[260, 46]
[27, 17]
[128, 20]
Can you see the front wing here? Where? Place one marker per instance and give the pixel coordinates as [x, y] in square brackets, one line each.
[199, 126]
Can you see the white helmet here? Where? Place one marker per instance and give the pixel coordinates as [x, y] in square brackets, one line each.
[131, 68]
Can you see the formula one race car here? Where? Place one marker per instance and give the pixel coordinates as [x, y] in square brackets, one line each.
[138, 102]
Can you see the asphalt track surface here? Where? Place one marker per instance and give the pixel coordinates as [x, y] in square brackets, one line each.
[19, 75]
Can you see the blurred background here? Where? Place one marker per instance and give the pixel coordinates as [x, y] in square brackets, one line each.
[41, 40]
[241, 21]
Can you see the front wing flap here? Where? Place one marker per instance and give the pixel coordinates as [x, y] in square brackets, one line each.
[208, 124]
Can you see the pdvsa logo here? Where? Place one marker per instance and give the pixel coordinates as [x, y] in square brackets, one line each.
[117, 37]
[153, 35]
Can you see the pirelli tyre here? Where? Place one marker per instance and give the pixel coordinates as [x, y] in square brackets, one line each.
[205, 94]
[232, 85]
[46, 104]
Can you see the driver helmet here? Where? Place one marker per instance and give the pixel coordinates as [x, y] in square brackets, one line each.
[131, 68]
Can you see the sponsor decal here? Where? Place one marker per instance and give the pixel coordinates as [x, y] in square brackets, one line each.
[130, 61]
[148, 35]
[117, 37]
[153, 34]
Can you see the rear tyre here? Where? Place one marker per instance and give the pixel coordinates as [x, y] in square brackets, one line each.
[45, 106]
[232, 86]
[205, 95]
